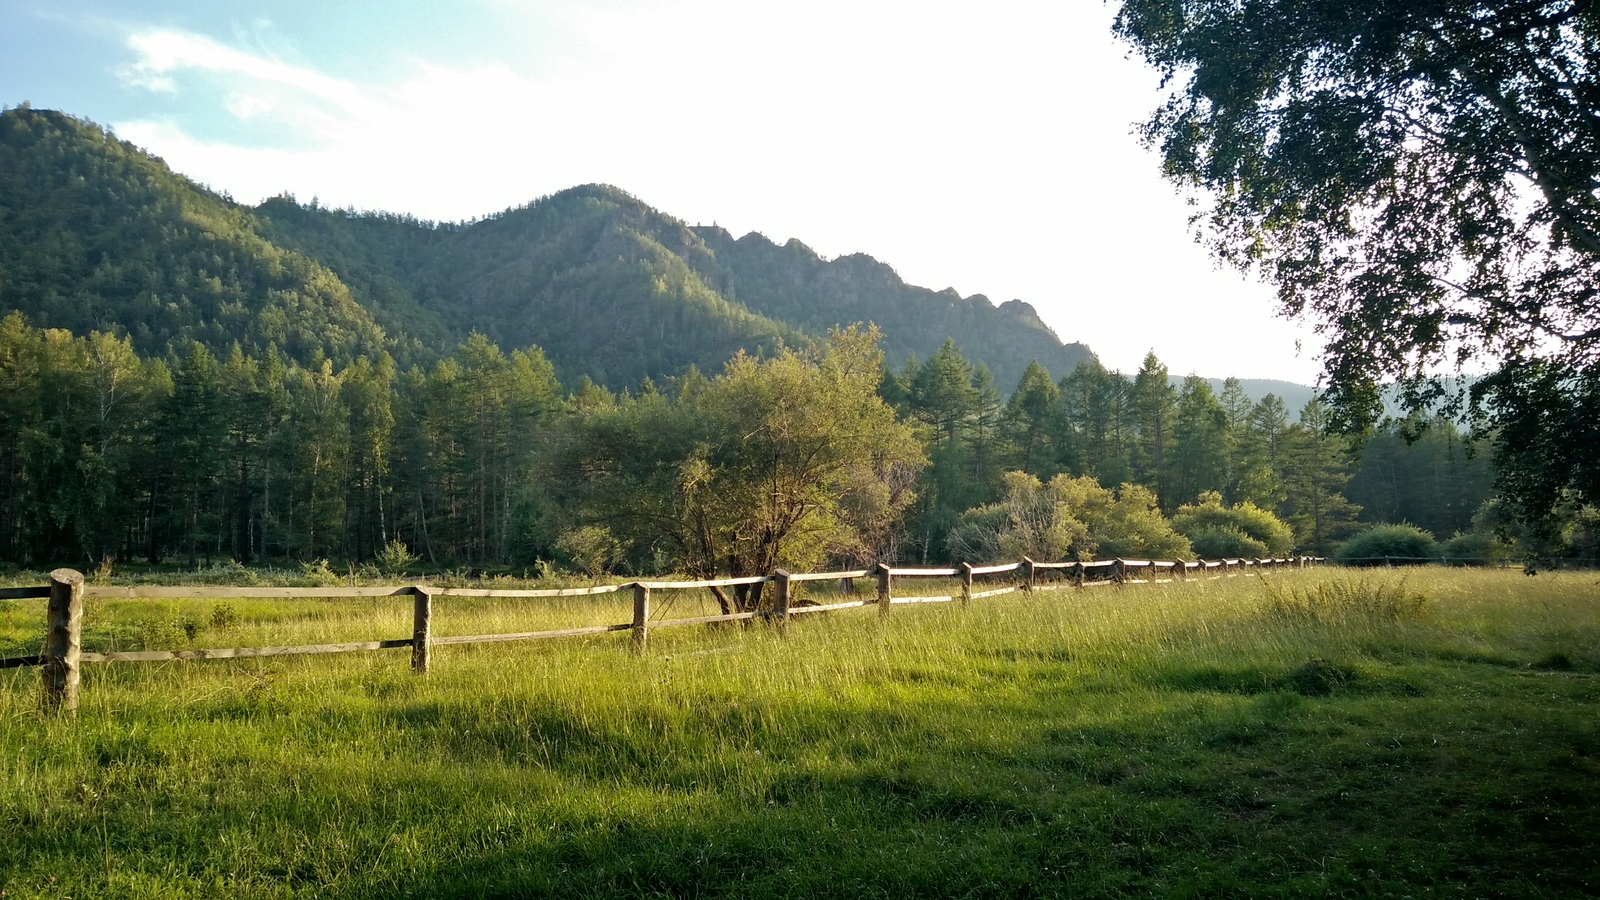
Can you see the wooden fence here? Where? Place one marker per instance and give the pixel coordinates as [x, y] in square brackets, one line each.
[63, 654]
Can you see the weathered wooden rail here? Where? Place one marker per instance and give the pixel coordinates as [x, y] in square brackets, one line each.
[63, 655]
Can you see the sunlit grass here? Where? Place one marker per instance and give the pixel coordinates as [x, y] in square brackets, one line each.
[1307, 733]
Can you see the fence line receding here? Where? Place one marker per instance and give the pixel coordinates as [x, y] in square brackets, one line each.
[63, 654]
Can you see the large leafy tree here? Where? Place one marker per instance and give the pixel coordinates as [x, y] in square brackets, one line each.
[788, 461]
[1421, 179]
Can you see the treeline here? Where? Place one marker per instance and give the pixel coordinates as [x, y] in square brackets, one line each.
[194, 457]
[485, 460]
[1182, 443]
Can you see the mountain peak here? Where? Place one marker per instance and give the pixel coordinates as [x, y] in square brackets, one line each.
[100, 235]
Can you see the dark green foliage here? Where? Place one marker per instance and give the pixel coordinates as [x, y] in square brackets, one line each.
[956, 406]
[1201, 440]
[1474, 548]
[1098, 415]
[610, 287]
[1031, 427]
[1154, 403]
[1316, 467]
[1429, 477]
[790, 462]
[194, 458]
[1546, 439]
[1389, 544]
[297, 382]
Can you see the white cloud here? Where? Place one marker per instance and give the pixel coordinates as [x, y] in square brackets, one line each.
[988, 149]
[162, 53]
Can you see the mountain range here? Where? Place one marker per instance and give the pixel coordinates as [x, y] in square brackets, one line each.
[96, 234]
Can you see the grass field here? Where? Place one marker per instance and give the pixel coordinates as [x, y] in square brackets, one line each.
[1312, 734]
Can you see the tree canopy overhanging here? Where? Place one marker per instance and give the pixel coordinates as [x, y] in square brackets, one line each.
[1422, 179]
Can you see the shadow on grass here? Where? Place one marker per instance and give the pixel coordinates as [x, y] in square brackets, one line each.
[1314, 678]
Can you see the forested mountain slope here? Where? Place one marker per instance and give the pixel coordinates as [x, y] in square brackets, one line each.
[95, 234]
[793, 284]
[607, 285]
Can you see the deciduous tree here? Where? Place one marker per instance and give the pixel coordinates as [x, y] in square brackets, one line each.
[1419, 178]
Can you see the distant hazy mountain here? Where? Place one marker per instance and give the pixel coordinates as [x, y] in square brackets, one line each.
[97, 234]
[1294, 396]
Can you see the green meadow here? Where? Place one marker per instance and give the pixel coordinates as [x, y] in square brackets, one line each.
[1431, 733]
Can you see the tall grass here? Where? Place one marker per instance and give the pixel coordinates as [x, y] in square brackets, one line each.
[1295, 734]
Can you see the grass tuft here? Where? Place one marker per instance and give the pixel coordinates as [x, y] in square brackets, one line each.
[1344, 600]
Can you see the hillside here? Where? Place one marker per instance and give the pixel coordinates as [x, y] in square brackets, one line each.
[792, 283]
[606, 285]
[1294, 396]
[96, 234]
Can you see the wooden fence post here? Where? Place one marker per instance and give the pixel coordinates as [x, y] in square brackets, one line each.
[641, 616]
[421, 629]
[63, 643]
[966, 584]
[1027, 574]
[780, 600]
[885, 585]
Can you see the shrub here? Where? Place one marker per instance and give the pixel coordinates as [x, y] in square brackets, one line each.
[1068, 518]
[1475, 548]
[591, 548]
[1259, 527]
[396, 558]
[1226, 542]
[317, 574]
[1381, 544]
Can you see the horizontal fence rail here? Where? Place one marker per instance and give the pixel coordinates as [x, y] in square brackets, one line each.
[63, 654]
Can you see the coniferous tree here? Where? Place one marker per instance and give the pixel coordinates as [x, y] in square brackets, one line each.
[1198, 460]
[366, 391]
[1421, 472]
[319, 428]
[1316, 469]
[1154, 402]
[1097, 410]
[194, 421]
[1031, 425]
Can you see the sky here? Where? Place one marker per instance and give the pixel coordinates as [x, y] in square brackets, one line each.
[986, 147]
